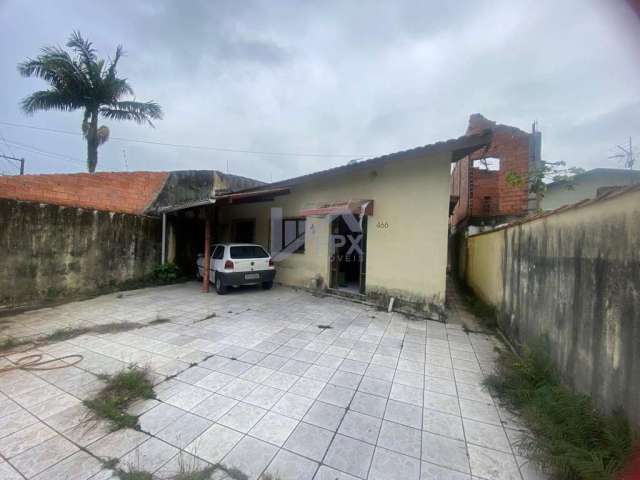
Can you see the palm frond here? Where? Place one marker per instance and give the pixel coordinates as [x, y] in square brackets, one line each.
[111, 71]
[84, 48]
[48, 100]
[139, 112]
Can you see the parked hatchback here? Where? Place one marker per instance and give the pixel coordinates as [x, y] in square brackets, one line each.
[235, 264]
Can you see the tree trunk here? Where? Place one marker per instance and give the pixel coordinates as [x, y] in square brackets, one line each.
[92, 143]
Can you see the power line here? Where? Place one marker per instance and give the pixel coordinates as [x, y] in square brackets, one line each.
[15, 159]
[46, 153]
[194, 147]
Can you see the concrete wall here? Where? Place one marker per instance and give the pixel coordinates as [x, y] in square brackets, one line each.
[406, 259]
[574, 277]
[49, 251]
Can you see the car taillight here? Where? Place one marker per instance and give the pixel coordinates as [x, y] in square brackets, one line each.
[271, 262]
[228, 265]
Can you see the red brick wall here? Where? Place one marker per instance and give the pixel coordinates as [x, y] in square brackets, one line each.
[115, 192]
[511, 146]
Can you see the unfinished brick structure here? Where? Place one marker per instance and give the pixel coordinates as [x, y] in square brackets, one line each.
[483, 196]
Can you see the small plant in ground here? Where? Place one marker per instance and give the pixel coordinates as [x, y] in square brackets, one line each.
[570, 437]
[10, 343]
[121, 390]
[131, 474]
[166, 273]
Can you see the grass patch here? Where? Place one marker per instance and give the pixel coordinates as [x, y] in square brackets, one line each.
[570, 438]
[121, 391]
[63, 334]
[189, 470]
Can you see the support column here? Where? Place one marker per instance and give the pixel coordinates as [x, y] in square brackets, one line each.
[207, 253]
[163, 257]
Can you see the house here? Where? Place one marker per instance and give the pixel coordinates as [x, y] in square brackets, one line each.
[372, 229]
[480, 193]
[376, 228]
[587, 185]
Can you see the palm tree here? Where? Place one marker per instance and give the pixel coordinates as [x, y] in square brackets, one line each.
[83, 81]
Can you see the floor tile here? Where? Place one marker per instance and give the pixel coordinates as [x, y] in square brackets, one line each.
[242, 417]
[400, 438]
[350, 456]
[292, 405]
[149, 456]
[37, 459]
[328, 473]
[251, 456]
[404, 413]
[369, 404]
[214, 443]
[335, 395]
[79, 466]
[443, 424]
[184, 430]
[289, 466]
[360, 426]
[274, 428]
[388, 465]
[431, 472]
[486, 435]
[492, 465]
[214, 407]
[375, 386]
[309, 441]
[403, 393]
[324, 415]
[445, 452]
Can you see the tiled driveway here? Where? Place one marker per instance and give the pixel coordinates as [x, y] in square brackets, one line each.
[262, 388]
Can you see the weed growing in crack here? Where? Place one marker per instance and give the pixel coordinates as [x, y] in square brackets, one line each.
[570, 437]
[121, 390]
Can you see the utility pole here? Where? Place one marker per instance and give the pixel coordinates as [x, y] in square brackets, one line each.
[15, 159]
[627, 155]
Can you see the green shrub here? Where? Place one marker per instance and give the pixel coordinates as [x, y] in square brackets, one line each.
[166, 273]
[570, 437]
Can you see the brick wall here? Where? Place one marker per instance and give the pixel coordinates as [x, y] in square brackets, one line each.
[472, 185]
[116, 192]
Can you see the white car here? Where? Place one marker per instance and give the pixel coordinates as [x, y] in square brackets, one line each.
[235, 264]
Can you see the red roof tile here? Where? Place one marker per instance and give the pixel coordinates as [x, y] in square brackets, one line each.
[127, 192]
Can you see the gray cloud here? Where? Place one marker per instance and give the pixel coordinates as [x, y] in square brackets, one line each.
[334, 77]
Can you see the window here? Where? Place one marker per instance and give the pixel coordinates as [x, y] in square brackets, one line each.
[490, 164]
[247, 251]
[292, 230]
[218, 253]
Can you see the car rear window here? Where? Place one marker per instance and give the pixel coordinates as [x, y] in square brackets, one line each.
[248, 251]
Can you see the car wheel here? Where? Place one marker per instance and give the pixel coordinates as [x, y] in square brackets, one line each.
[198, 276]
[221, 289]
[267, 285]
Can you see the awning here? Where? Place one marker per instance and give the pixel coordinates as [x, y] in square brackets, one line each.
[355, 207]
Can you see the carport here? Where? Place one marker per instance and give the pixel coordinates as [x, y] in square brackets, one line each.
[191, 225]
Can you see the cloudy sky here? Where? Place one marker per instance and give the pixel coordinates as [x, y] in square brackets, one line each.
[324, 82]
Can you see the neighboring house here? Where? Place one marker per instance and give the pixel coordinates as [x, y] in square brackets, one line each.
[137, 193]
[376, 228]
[480, 193]
[587, 185]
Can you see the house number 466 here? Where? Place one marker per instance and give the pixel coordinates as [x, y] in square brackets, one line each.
[382, 224]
